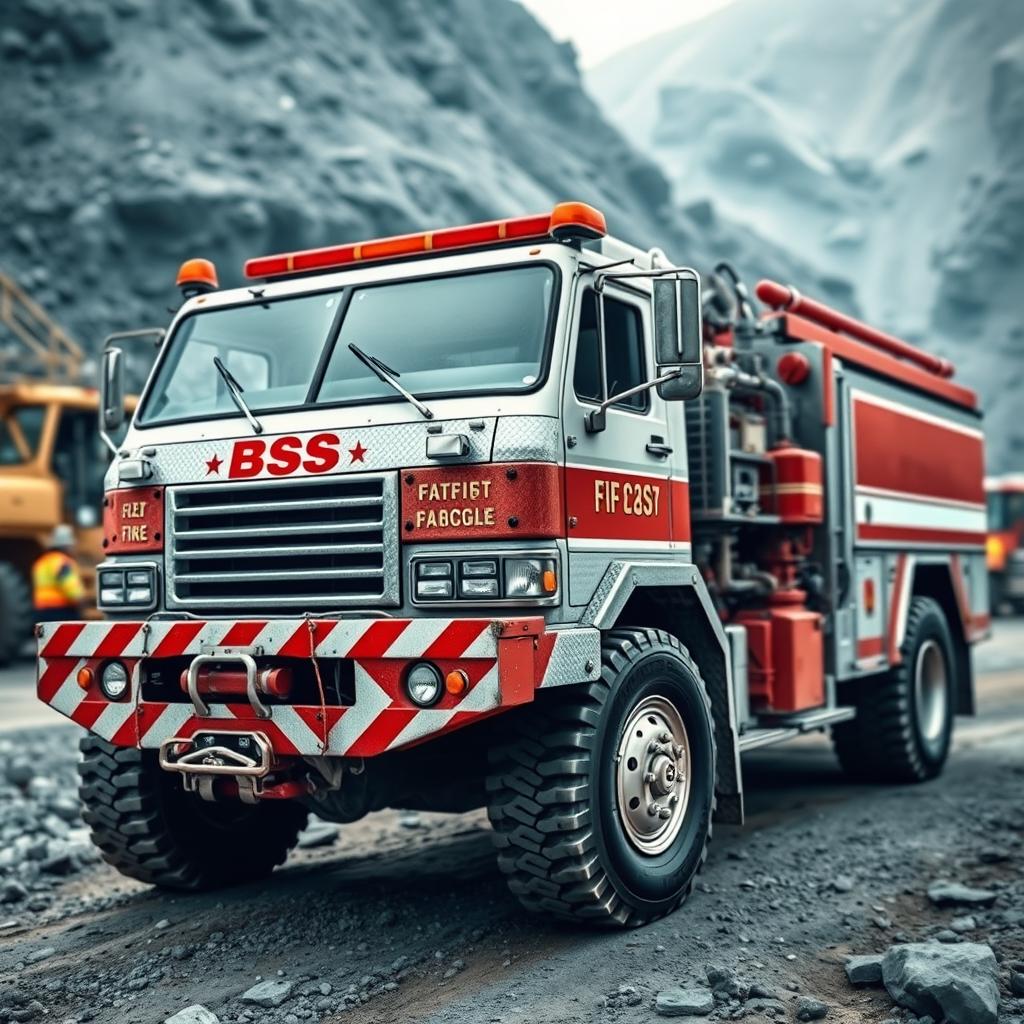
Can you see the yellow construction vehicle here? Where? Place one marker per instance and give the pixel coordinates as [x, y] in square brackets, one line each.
[52, 460]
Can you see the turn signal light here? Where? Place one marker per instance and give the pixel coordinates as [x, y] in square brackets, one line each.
[84, 678]
[549, 581]
[456, 682]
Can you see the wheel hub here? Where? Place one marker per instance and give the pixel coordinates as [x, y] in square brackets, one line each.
[930, 691]
[653, 775]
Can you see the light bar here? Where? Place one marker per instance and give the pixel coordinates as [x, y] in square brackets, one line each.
[566, 220]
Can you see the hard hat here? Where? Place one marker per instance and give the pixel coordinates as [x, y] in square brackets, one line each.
[62, 537]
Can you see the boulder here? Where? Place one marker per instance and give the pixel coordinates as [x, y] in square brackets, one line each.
[957, 982]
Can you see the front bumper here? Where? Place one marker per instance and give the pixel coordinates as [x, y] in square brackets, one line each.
[505, 661]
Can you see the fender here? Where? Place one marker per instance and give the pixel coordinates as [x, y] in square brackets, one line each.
[699, 627]
[939, 576]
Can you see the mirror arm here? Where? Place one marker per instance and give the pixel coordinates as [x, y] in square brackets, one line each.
[594, 421]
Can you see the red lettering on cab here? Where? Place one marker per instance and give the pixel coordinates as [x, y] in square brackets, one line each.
[284, 456]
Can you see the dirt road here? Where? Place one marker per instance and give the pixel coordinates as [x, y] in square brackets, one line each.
[398, 923]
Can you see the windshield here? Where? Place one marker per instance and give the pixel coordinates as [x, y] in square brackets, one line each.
[475, 332]
[1005, 509]
[20, 429]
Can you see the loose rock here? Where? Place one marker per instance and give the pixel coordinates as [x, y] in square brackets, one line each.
[684, 1002]
[865, 969]
[268, 993]
[195, 1014]
[951, 894]
[957, 982]
[811, 1009]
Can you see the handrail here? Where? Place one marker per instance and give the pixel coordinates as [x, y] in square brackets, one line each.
[43, 350]
[780, 296]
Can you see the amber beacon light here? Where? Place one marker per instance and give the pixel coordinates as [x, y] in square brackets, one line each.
[196, 277]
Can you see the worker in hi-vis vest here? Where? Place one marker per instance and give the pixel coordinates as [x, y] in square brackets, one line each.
[56, 584]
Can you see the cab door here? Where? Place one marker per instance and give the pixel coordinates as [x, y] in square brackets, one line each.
[617, 480]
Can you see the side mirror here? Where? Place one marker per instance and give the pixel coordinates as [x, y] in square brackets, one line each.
[678, 343]
[111, 390]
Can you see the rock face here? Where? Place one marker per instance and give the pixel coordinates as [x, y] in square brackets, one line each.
[293, 128]
[957, 982]
[884, 143]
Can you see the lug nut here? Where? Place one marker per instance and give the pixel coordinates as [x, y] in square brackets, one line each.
[674, 799]
[649, 776]
[665, 813]
[654, 810]
[677, 749]
[665, 737]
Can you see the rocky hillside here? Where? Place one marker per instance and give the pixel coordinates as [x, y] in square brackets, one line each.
[883, 143]
[138, 133]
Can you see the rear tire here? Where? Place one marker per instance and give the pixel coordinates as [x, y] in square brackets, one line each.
[150, 829]
[569, 794]
[904, 724]
[15, 612]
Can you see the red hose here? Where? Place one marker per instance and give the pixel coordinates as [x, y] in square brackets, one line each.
[778, 296]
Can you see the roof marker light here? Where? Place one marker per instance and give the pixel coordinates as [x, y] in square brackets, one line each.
[197, 276]
[566, 220]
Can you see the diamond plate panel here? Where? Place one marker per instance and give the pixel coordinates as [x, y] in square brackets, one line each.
[522, 438]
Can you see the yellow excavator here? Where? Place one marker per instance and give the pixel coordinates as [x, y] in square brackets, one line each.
[52, 460]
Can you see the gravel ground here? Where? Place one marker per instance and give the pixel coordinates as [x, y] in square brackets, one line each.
[403, 918]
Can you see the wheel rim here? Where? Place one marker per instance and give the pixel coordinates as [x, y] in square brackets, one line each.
[653, 775]
[930, 691]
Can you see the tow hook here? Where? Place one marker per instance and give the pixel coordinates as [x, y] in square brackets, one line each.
[202, 759]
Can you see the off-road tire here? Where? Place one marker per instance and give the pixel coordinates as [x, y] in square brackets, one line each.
[15, 612]
[885, 742]
[552, 797]
[150, 829]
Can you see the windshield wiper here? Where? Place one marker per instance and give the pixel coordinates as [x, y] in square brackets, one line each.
[386, 374]
[235, 391]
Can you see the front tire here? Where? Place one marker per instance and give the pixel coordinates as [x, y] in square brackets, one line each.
[150, 829]
[904, 724]
[601, 800]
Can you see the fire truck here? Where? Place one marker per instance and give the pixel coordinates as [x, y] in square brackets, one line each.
[1005, 496]
[512, 515]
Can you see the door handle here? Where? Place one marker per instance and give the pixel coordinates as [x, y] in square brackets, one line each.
[656, 446]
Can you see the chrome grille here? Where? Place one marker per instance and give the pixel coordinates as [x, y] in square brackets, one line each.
[314, 543]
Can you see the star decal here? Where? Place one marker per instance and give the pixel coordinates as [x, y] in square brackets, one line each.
[358, 452]
[213, 465]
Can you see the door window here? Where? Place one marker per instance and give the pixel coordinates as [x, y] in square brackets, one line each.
[624, 353]
[79, 462]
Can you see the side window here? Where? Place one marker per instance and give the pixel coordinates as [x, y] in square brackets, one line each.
[624, 346]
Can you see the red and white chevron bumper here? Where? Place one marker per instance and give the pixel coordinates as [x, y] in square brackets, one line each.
[504, 661]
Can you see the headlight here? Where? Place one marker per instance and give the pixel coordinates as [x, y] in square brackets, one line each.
[434, 580]
[127, 588]
[481, 579]
[530, 577]
[114, 680]
[423, 683]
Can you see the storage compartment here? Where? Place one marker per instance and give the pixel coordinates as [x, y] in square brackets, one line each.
[786, 659]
